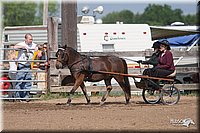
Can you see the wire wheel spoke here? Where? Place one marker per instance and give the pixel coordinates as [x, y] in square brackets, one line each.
[151, 96]
[170, 95]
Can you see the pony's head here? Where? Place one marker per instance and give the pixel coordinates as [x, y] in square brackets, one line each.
[62, 58]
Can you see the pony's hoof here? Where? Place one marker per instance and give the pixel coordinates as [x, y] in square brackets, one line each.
[127, 103]
[102, 103]
[88, 104]
[68, 104]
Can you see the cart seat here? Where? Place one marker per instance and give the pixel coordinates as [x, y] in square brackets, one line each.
[172, 75]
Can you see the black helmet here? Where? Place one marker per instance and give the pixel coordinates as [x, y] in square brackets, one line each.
[166, 43]
[156, 45]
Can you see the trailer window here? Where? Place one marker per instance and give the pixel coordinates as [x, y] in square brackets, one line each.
[6, 38]
[108, 47]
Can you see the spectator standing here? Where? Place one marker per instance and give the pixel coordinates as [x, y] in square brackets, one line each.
[12, 68]
[43, 56]
[25, 53]
[43, 66]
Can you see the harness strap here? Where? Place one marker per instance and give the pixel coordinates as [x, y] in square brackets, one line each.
[71, 65]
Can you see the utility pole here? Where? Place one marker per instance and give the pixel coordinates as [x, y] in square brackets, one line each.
[69, 23]
[45, 12]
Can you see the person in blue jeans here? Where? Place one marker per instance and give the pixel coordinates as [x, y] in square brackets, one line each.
[23, 85]
[24, 54]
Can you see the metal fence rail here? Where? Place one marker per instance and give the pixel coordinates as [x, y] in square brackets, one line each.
[17, 49]
[12, 90]
[9, 94]
[22, 61]
[22, 71]
[22, 80]
[11, 98]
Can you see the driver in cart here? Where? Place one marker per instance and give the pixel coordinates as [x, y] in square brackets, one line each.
[153, 60]
[165, 65]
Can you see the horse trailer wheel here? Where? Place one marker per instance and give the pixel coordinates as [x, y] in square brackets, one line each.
[170, 95]
[151, 96]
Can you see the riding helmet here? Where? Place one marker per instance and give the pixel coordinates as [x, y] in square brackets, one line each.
[166, 43]
[156, 45]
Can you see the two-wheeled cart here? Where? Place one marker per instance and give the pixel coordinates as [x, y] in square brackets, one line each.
[165, 91]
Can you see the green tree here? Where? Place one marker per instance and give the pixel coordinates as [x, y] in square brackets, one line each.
[18, 13]
[52, 10]
[160, 15]
[26, 12]
[124, 16]
[190, 19]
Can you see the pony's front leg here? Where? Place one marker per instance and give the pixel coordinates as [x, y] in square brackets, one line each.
[71, 93]
[85, 92]
[77, 83]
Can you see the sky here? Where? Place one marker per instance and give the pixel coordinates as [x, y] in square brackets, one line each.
[136, 6]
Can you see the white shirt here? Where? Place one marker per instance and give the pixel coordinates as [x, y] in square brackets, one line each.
[13, 67]
[22, 55]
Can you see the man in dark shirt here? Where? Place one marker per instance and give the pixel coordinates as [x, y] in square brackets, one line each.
[153, 59]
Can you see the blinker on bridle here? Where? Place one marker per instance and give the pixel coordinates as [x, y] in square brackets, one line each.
[62, 55]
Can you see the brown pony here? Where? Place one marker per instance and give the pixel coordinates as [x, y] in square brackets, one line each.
[85, 68]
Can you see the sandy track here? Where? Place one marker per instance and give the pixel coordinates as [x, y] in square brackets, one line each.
[54, 115]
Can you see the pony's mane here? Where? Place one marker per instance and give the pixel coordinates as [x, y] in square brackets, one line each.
[70, 49]
[74, 51]
[67, 48]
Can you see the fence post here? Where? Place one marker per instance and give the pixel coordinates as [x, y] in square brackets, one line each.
[69, 23]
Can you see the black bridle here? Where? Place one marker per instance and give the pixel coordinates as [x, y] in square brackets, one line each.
[63, 56]
[70, 65]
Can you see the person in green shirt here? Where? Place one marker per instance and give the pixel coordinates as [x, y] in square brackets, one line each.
[153, 59]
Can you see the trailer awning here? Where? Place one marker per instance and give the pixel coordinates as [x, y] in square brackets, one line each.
[168, 32]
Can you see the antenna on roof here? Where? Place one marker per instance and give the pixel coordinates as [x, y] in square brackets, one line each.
[85, 10]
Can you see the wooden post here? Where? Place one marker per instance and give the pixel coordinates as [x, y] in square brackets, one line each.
[52, 33]
[45, 12]
[69, 23]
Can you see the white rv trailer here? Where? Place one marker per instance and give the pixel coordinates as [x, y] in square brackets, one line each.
[114, 37]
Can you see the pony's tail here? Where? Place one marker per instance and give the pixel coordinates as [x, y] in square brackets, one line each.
[127, 83]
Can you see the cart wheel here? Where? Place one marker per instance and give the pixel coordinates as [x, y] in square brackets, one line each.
[170, 95]
[151, 96]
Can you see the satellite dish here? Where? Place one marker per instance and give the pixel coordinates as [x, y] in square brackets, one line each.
[99, 9]
[85, 10]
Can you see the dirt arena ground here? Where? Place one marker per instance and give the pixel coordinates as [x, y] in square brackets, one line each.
[114, 116]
